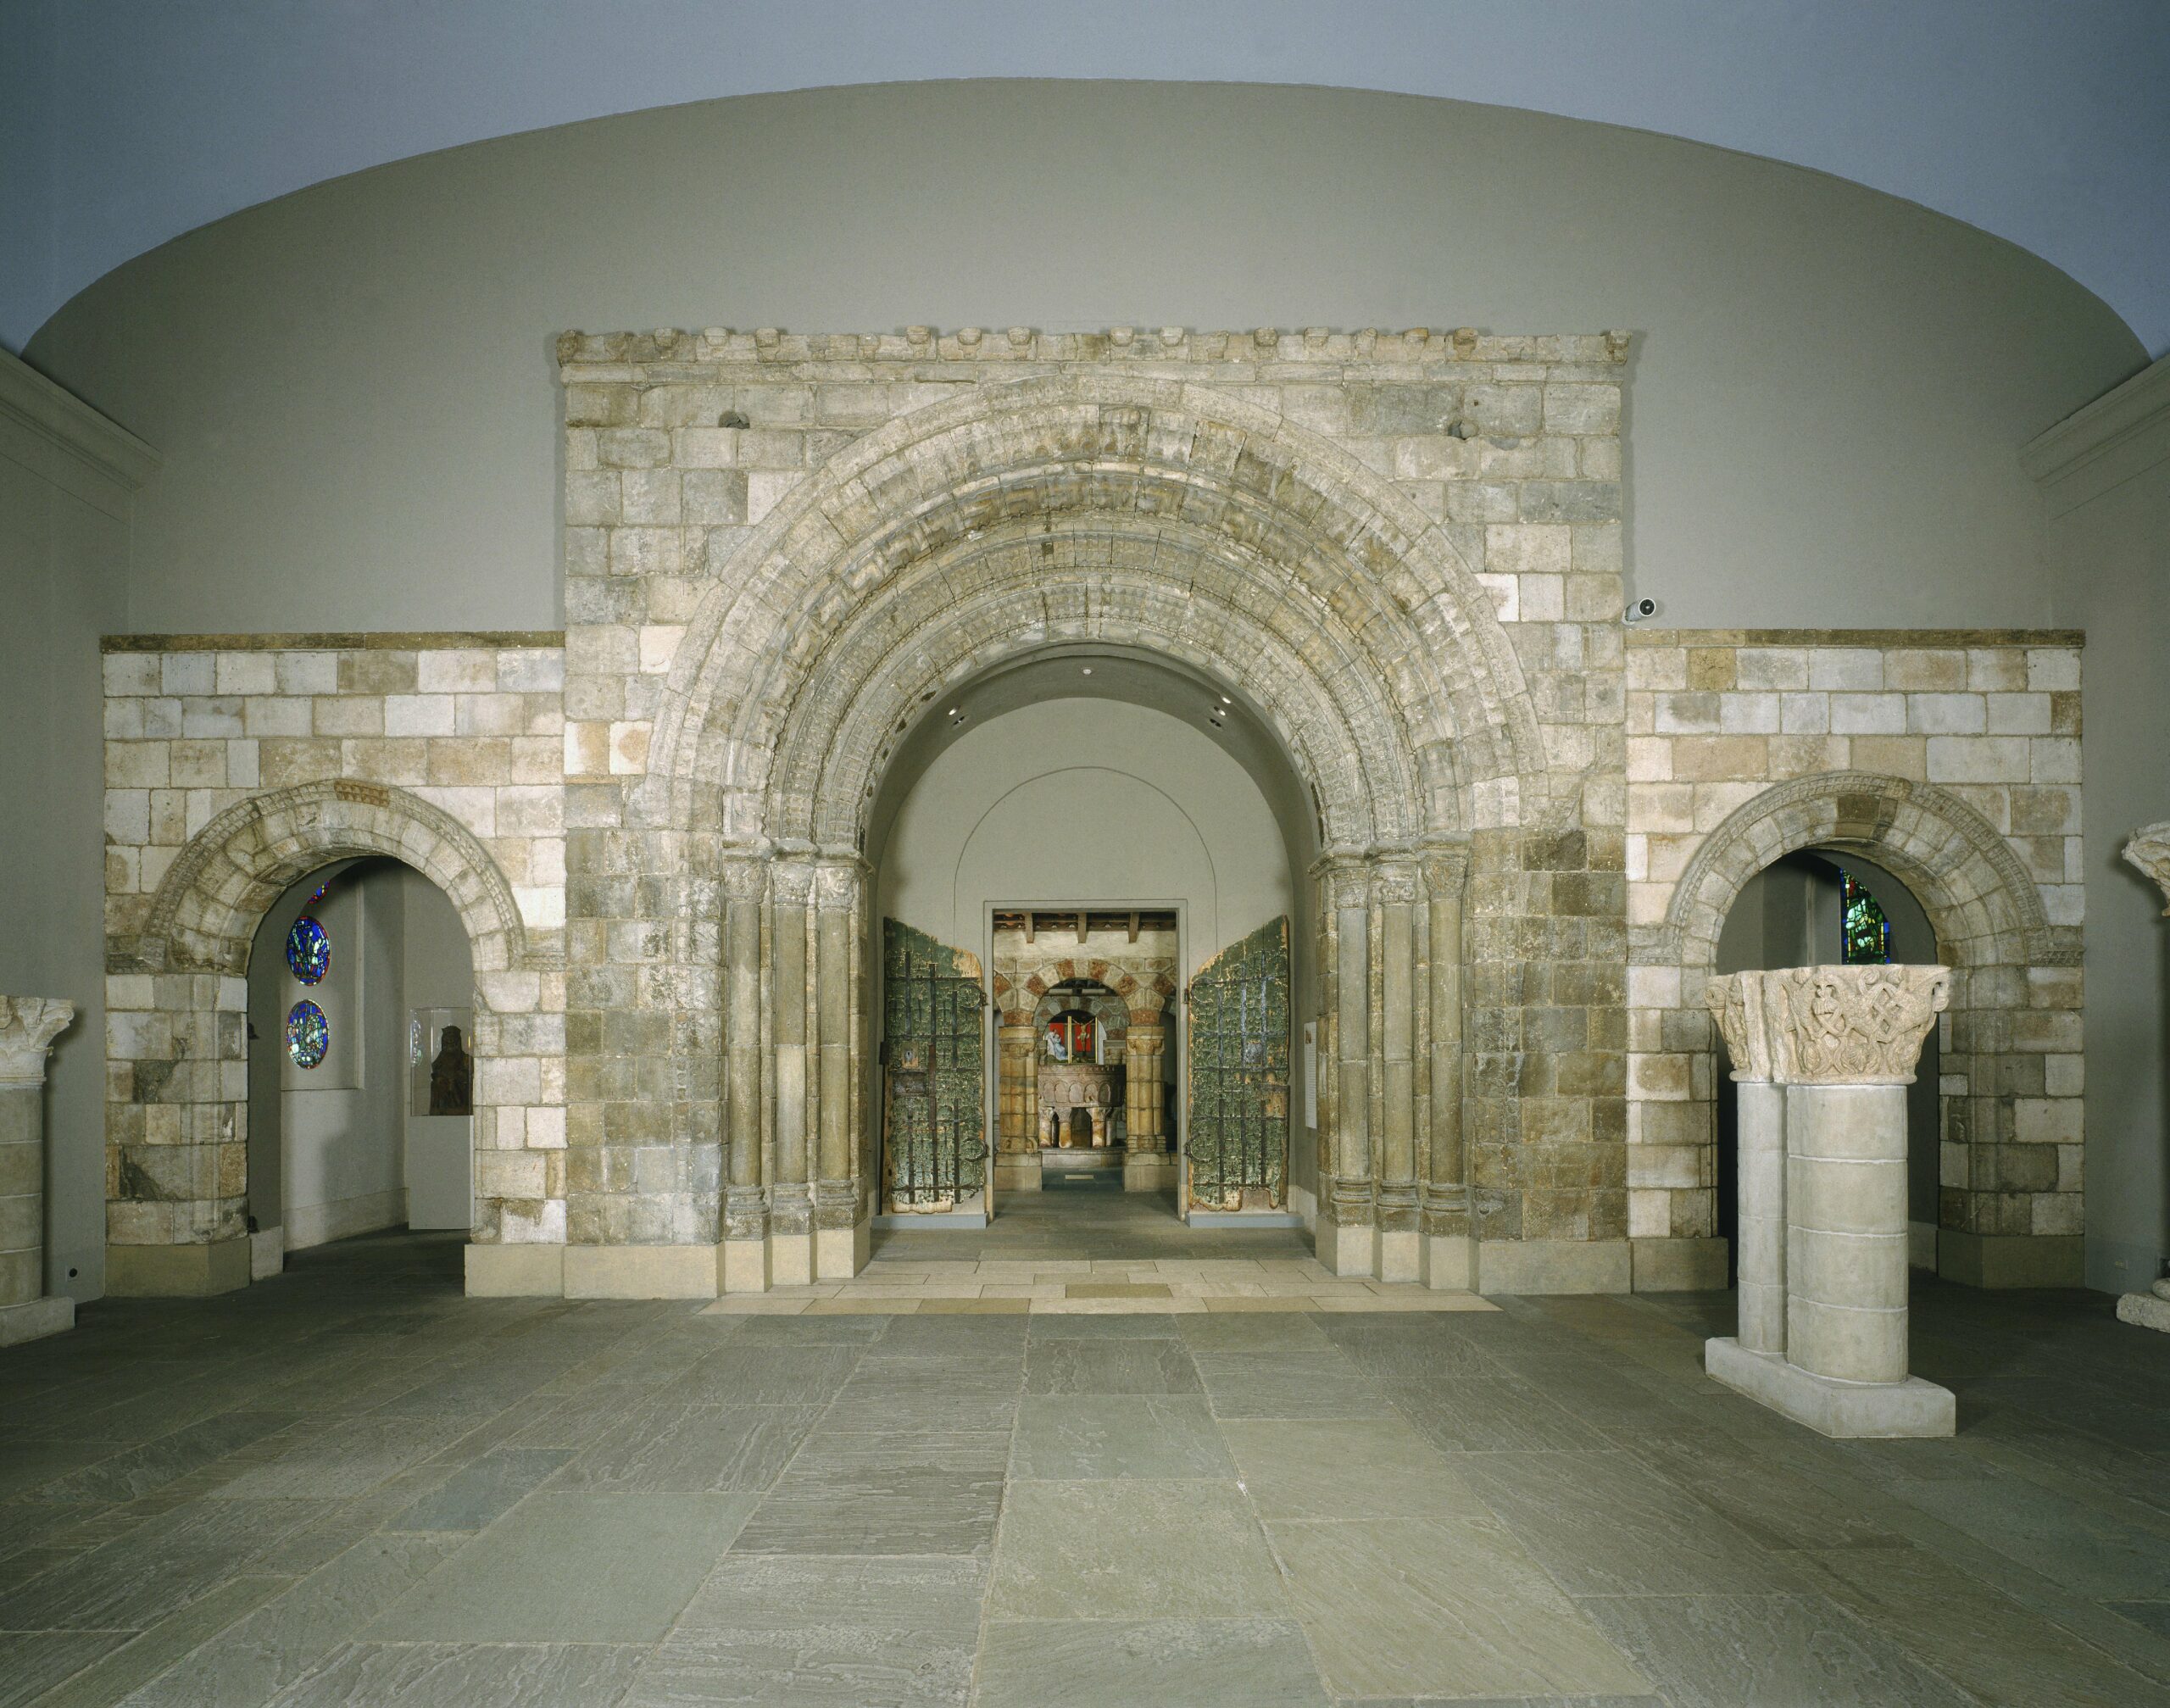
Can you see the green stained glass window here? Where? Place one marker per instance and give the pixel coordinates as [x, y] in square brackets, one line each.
[1865, 934]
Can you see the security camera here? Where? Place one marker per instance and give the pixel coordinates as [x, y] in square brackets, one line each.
[1638, 610]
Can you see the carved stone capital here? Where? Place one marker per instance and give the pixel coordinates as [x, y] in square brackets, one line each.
[28, 1026]
[837, 887]
[791, 883]
[1839, 1025]
[1393, 883]
[743, 880]
[1735, 1000]
[2149, 850]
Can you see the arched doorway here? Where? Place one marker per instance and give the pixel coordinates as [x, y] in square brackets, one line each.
[2011, 1158]
[361, 1067]
[177, 1213]
[1182, 527]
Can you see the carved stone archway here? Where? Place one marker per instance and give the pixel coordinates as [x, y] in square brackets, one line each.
[2010, 1155]
[1085, 507]
[177, 996]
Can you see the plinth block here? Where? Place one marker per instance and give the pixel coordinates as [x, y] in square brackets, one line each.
[1844, 1410]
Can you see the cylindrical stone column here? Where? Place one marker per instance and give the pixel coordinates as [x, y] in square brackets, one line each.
[794, 1089]
[1398, 936]
[839, 1245]
[1347, 1185]
[1142, 1095]
[28, 1026]
[1736, 1002]
[1844, 1042]
[1447, 1257]
[745, 1264]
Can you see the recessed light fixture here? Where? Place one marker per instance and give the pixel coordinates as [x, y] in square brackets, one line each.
[1088, 669]
[1225, 701]
[956, 711]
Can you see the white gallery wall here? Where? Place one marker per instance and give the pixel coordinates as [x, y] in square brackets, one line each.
[352, 391]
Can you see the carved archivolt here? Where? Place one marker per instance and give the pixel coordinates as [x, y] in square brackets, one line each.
[207, 907]
[1343, 549]
[1985, 908]
[1829, 1025]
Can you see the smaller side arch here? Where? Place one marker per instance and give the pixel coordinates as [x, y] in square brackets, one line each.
[2011, 1122]
[206, 908]
[177, 1000]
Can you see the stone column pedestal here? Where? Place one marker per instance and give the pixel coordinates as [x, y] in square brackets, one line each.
[1826, 1054]
[2148, 851]
[28, 1026]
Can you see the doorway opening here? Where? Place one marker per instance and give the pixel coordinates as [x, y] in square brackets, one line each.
[1079, 838]
[361, 1061]
[1824, 907]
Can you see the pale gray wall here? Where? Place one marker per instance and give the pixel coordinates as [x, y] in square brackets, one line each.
[2112, 558]
[436, 971]
[63, 561]
[353, 386]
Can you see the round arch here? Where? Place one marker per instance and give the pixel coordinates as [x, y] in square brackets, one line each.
[178, 996]
[2010, 1124]
[1354, 559]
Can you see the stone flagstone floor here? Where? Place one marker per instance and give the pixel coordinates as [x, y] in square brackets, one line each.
[352, 1486]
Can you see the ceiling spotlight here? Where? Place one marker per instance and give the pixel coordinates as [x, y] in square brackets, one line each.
[1088, 669]
[1225, 701]
[956, 711]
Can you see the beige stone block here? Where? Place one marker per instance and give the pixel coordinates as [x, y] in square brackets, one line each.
[2052, 760]
[188, 673]
[1850, 670]
[2049, 1121]
[456, 670]
[1897, 756]
[1938, 670]
[347, 715]
[2018, 715]
[418, 715]
[405, 761]
[1657, 668]
[515, 1271]
[2049, 669]
[280, 764]
[1979, 760]
[1716, 758]
[1997, 670]
[628, 748]
[1770, 669]
[1868, 714]
[137, 765]
[1541, 1266]
[246, 674]
[640, 1272]
[1527, 549]
[1949, 713]
[131, 673]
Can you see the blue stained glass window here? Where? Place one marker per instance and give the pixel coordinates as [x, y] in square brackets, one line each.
[308, 1034]
[308, 950]
[1864, 933]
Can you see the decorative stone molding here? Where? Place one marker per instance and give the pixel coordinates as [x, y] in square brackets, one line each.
[1829, 1025]
[2148, 851]
[28, 1026]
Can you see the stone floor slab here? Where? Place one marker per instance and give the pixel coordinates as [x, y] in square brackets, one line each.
[1199, 1663]
[1132, 1550]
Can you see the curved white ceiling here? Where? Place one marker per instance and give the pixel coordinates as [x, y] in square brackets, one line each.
[124, 123]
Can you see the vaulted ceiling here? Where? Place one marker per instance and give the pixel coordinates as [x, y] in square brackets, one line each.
[124, 123]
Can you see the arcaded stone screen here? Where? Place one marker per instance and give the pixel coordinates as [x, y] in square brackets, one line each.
[1952, 759]
[1404, 548]
[235, 766]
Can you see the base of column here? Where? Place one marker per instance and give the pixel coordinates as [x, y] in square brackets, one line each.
[840, 1253]
[1554, 1265]
[791, 1259]
[1398, 1255]
[1448, 1262]
[517, 1271]
[1844, 1410]
[267, 1253]
[743, 1265]
[640, 1272]
[1017, 1171]
[35, 1319]
[2141, 1309]
[1148, 1171]
[2010, 1259]
[176, 1272]
[1343, 1247]
[1679, 1265]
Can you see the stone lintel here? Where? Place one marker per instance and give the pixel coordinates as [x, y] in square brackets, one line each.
[1640, 638]
[392, 640]
[1843, 1410]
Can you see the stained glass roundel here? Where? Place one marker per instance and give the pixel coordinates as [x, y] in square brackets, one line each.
[308, 1034]
[308, 950]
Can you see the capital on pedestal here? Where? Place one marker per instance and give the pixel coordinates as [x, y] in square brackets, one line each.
[28, 1026]
[2148, 851]
[1829, 1025]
